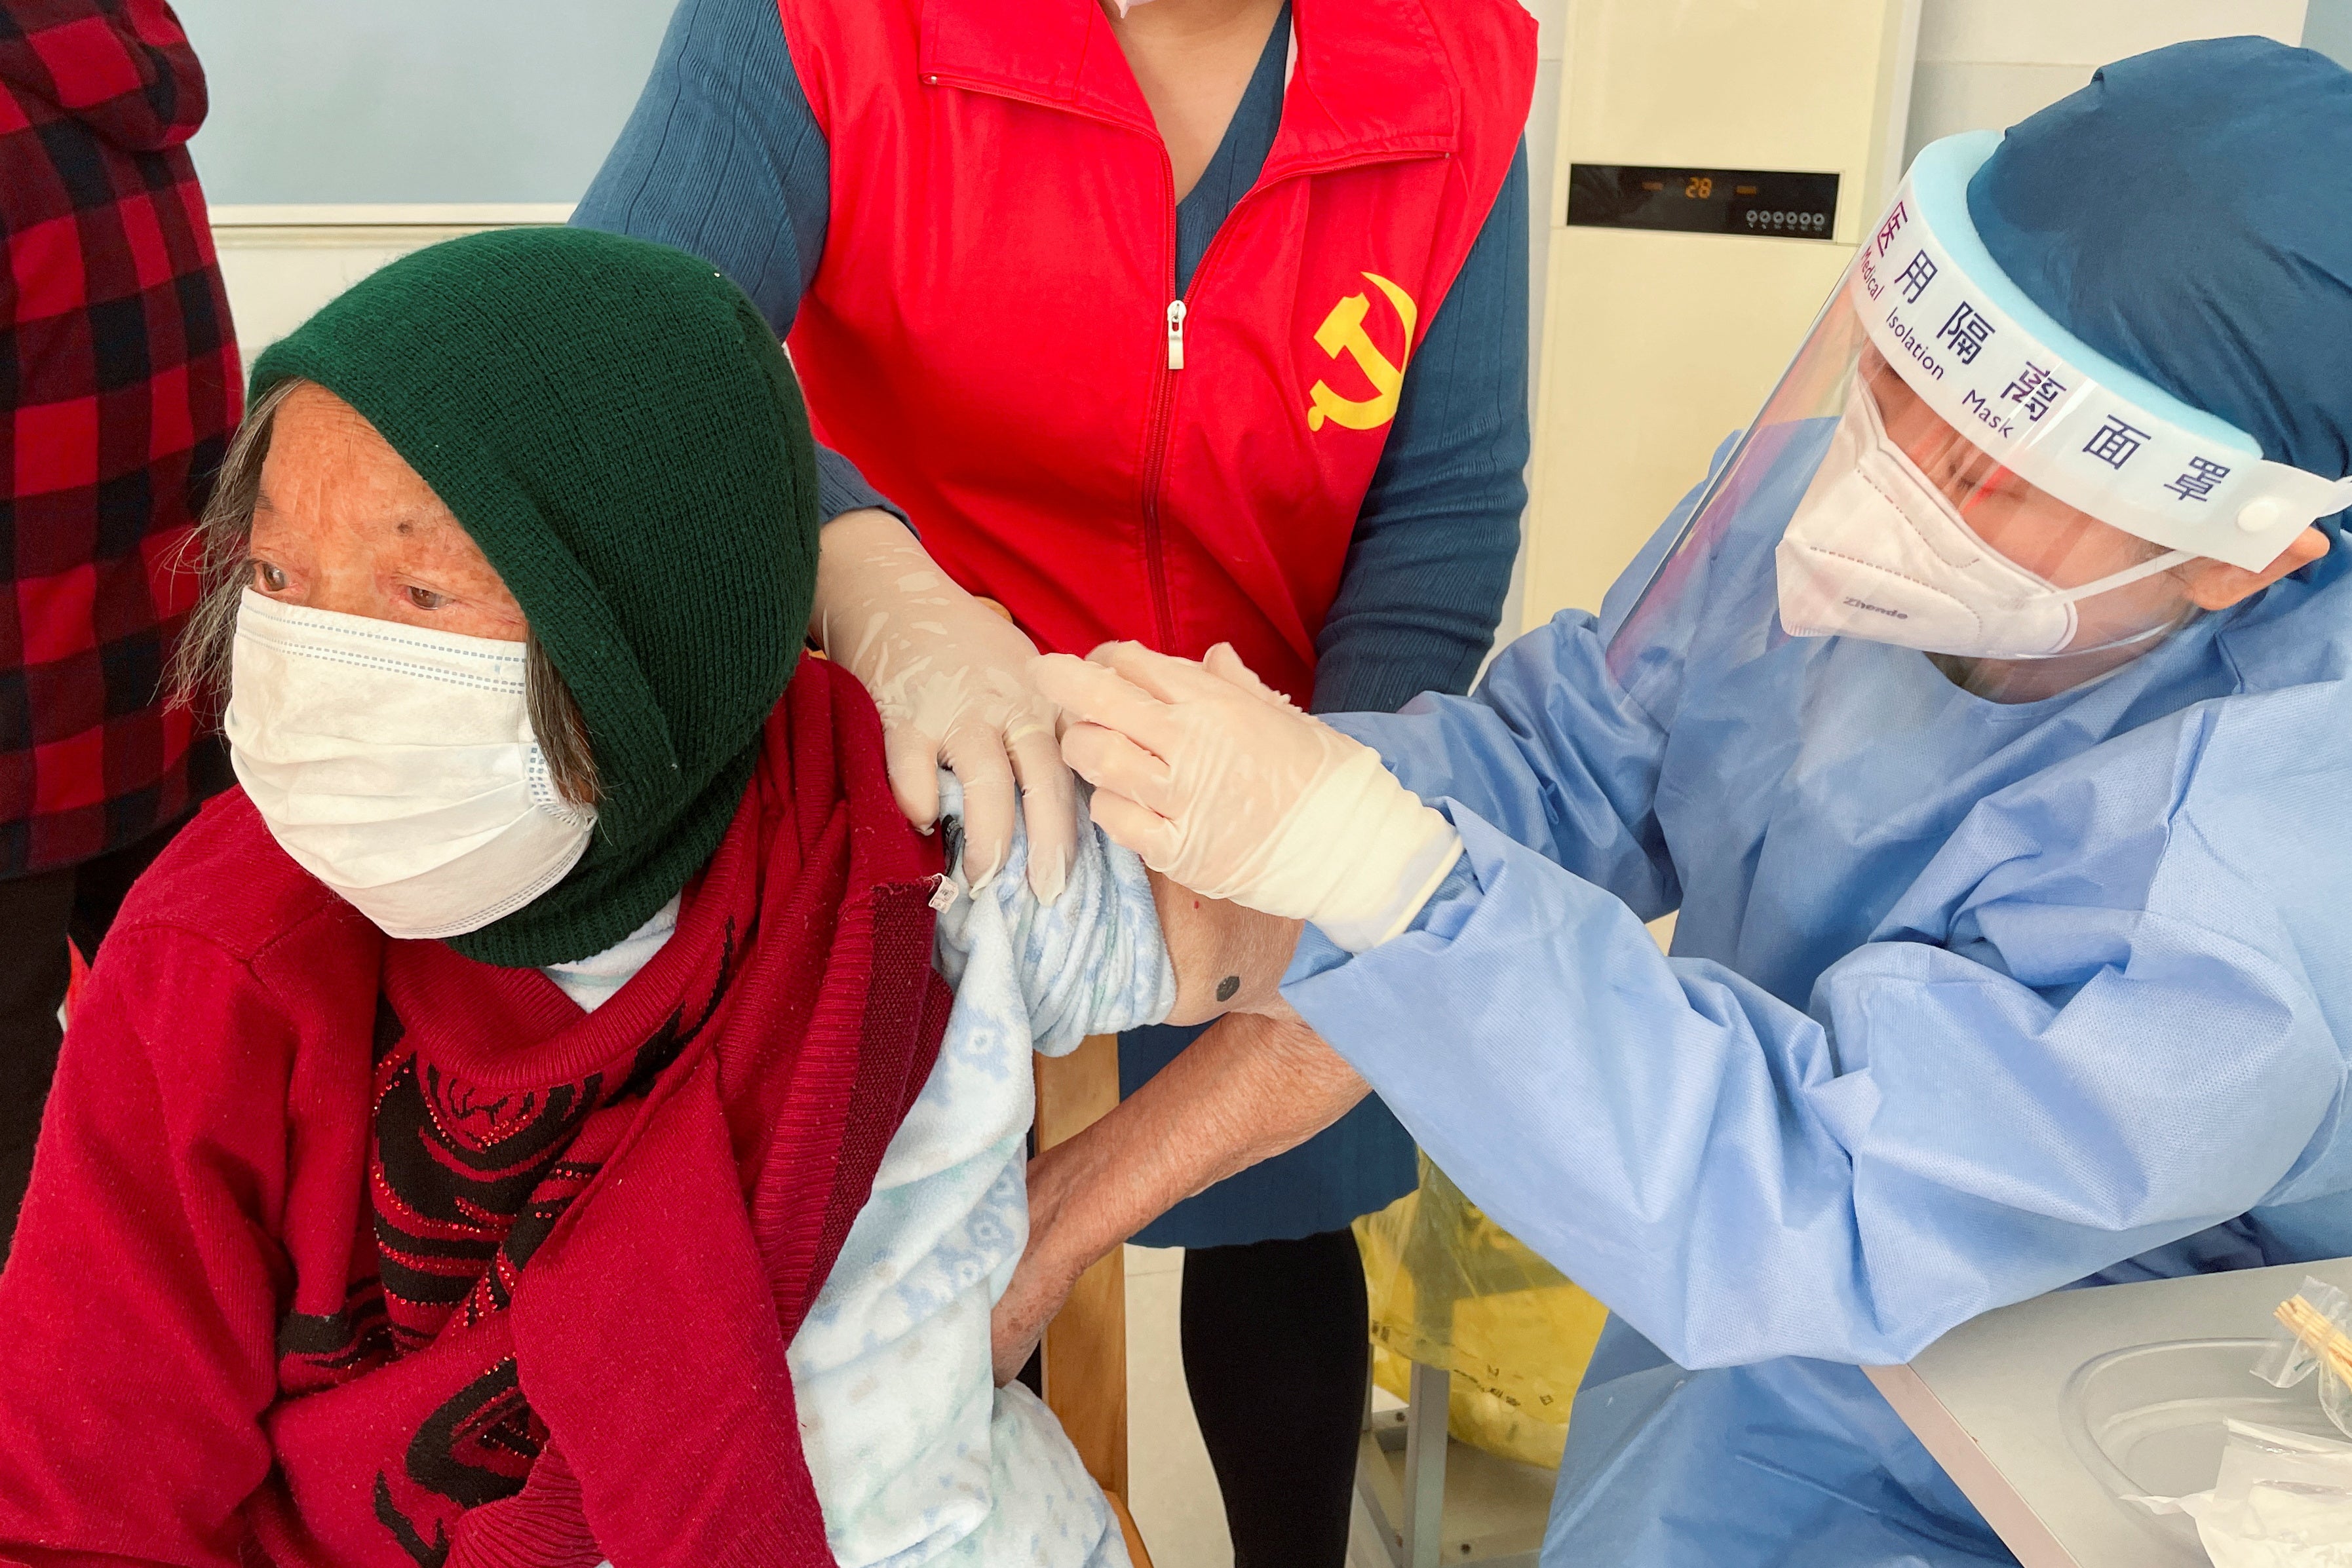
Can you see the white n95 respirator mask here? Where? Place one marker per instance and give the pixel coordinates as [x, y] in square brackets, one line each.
[397, 765]
[1877, 550]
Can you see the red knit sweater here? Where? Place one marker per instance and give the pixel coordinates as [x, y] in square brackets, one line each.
[342, 1250]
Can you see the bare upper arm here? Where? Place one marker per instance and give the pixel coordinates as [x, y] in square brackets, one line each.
[1226, 958]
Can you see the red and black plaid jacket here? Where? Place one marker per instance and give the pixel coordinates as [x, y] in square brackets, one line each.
[121, 384]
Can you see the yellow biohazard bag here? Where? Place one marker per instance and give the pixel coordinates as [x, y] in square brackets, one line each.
[1451, 1289]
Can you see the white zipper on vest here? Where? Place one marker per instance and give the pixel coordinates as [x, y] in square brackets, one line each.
[1176, 334]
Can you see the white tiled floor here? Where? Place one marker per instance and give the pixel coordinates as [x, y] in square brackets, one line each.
[1172, 1488]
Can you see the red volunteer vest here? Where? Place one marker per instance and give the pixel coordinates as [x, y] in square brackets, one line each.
[994, 334]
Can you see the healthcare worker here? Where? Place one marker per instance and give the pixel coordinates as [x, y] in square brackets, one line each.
[1988, 719]
[1192, 322]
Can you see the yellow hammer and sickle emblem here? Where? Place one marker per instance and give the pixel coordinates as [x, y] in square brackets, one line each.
[1342, 332]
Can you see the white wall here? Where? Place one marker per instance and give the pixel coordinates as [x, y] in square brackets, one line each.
[415, 100]
[1985, 65]
[329, 117]
[2328, 27]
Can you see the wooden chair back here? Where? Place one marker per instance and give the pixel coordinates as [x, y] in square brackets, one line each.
[1085, 1347]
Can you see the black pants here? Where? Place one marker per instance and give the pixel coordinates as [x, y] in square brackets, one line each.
[1277, 1354]
[37, 914]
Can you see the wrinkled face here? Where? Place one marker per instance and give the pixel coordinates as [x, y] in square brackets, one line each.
[343, 523]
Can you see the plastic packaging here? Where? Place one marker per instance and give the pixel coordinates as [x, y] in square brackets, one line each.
[2313, 1335]
[2282, 1500]
[1451, 1289]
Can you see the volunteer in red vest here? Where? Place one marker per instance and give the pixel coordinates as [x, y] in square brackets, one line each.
[1202, 321]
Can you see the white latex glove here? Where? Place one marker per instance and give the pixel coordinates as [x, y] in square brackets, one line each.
[951, 677]
[1225, 788]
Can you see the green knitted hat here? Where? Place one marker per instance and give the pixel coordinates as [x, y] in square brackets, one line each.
[616, 425]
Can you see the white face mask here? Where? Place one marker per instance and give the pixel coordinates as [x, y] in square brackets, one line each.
[397, 766]
[1877, 551]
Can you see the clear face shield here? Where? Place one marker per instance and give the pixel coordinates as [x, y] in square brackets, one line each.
[1945, 468]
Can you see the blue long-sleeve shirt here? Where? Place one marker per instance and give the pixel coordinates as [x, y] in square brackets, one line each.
[723, 157]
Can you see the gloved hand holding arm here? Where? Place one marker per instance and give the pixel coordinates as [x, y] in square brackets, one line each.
[1548, 748]
[1219, 783]
[2014, 1084]
[950, 678]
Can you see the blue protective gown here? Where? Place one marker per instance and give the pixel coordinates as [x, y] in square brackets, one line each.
[1967, 1002]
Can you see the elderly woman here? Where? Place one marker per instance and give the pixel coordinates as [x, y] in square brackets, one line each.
[524, 1125]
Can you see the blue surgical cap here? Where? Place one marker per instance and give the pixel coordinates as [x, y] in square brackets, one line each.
[2188, 213]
